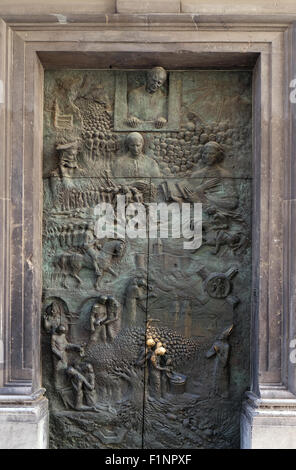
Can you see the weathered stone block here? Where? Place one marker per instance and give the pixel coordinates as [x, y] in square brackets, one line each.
[24, 426]
[238, 7]
[148, 6]
[272, 427]
[62, 7]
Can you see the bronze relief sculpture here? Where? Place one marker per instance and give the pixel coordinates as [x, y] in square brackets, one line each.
[146, 343]
[135, 163]
[149, 102]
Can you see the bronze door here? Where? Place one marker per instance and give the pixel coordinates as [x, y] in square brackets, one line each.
[146, 334]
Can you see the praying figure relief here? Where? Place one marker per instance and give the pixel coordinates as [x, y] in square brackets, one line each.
[149, 102]
[82, 378]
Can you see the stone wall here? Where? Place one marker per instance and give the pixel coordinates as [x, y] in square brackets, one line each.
[217, 7]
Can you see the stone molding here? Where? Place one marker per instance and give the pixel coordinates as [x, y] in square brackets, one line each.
[269, 423]
[150, 6]
[172, 21]
[238, 7]
[24, 426]
[92, 7]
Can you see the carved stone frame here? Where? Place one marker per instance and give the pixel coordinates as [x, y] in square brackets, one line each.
[28, 46]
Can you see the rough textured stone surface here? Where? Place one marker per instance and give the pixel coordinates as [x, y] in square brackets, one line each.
[238, 7]
[56, 7]
[270, 427]
[24, 426]
[148, 6]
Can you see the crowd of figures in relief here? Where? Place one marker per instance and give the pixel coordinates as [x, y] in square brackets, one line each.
[145, 344]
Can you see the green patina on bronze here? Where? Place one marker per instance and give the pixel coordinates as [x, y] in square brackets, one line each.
[145, 343]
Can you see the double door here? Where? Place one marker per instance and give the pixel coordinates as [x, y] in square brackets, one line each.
[146, 257]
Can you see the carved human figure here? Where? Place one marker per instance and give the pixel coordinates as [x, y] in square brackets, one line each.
[83, 387]
[88, 237]
[67, 169]
[53, 236]
[204, 138]
[166, 374]
[108, 194]
[63, 236]
[135, 163]
[113, 310]
[69, 236]
[218, 219]
[98, 316]
[76, 235]
[72, 197]
[76, 379]
[221, 350]
[79, 200]
[102, 194]
[216, 230]
[60, 346]
[155, 370]
[149, 102]
[137, 195]
[89, 144]
[161, 372]
[96, 145]
[71, 264]
[92, 248]
[84, 199]
[135, 293]
[217, 187]
[145, 353]
[67, 160]
[90, 394]
[54, 316]
[81, 234]
[127, 192]
[237, 241]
